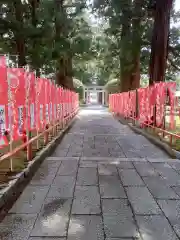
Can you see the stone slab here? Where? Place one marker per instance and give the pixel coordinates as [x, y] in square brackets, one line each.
[62, 158]
[110, 187]
[47, 170]
[131, 153]
[50, 164]
[125, 165]
[31, 200]
[86, 200]
[120, 226]
[177, 190]
[68, 168]
[157, 186]
[17, 226]
[142, 201]
[47, 238]
[88, 164]
[120, 238]
[160, 160]
[155, 227]
[85, 227]
[111, 207]
[53, 218]
[145, 169]
[116, 153]
[63, 187]
[130, 177]
[97, 159]
[87, 176]
[167, 172]
[60, 153]
[171, 209]
[42, 179]
[74, 154]
[175, 165]
[107, 169]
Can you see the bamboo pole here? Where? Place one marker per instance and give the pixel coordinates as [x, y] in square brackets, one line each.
[10, 114]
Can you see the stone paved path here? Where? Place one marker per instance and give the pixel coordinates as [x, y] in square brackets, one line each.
[103, 182]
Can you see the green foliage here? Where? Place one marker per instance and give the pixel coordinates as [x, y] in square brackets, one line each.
[123, 47]
[50, 32]
[53, 29]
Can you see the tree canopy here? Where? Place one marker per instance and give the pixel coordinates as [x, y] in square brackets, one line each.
[128, 35]
[93, 41]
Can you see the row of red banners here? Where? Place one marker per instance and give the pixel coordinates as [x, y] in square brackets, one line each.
[147, 100]
[28, 103]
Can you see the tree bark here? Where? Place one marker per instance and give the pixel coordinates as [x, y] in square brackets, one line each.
[159, 43]
[135, 75]
[136, 42]
[125, 76]
[64, 63]
[19, 37]
[125, 83]
[130, 67]
[34, 20]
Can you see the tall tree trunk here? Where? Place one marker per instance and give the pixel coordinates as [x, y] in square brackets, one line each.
[135, 75]
[125, 76]
[159, 44]
[62, 77]
[34, 20]
[125, 81]
[136, 42]
[59, 21]
[34, 5]
[19, 35]
[69, 73]
[131, 45]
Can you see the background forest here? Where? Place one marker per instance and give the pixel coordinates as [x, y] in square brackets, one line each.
[98, 42]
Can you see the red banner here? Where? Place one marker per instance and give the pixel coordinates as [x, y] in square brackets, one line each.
[40, 103]
[171, 86]
[151, 100]
[58, 103]
[142, 105]
[54, 103]
[3, 102]
[132, 103]
[17, 113]
[28, 103]
[30, 82]
[61, 104]
[47, 100]
[160, 102]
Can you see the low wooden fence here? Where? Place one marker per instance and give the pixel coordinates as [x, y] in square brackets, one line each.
[32, 111]
[154, 108]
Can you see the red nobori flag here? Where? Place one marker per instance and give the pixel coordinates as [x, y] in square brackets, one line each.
[51, 100]
[17, 114]
[142, 105]
[3, 101]
[61, 104]
[30, 81]
[58, 103]
[160, 103]
[54, 101]
[47, 101]
[40, 103]
[171, 86]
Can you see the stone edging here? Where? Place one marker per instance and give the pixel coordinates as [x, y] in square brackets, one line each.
[9, 193]
[165, 147]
